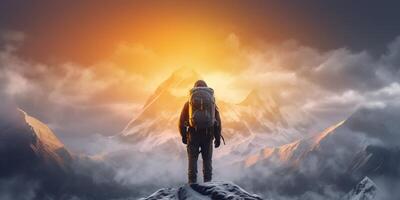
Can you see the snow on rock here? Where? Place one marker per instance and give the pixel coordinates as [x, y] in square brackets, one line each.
[247, 126]
[293, 152]
[43, 132]
[31, 141]
[365, 190]
[204, 191]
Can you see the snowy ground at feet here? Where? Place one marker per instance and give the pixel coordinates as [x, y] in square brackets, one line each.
[204, 191]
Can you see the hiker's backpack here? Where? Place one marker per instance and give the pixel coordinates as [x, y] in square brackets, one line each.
[201, 107]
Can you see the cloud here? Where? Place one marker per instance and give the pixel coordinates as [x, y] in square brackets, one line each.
[378, 123]
[343, 69]
[18, 188]
[391, 58]
[329, 85]
[84, 103]
[336, 70]
[102, 94]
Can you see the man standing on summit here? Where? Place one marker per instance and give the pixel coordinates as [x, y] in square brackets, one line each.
[199, 125]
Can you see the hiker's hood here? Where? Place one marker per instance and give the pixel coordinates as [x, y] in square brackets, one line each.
[200, 83]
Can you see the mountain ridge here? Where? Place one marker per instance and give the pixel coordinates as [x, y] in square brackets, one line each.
[158, 119]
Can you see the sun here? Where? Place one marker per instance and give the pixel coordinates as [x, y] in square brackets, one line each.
[224, 87]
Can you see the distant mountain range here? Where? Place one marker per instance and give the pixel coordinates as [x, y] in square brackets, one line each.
[256, 121]
[266, 153]
[339, 156]
[35, 164]
[266, 148]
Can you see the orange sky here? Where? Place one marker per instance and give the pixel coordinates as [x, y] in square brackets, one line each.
[110, 56]
[85, 32]
[148, 42]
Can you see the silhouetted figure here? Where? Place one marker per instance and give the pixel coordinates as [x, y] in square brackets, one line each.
[199, 125]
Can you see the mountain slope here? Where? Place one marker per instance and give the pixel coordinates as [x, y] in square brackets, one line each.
[35, 162]
[204, 191]
[339, 156]
[365, 190]
[157, 122]
[47, 144]
[257, 120]
[34, 143]
[43, 133]
[291, 153]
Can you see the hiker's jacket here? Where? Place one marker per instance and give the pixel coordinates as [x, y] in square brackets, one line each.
[184, 119]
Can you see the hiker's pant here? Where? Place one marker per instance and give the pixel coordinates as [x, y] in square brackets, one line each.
[193, 151]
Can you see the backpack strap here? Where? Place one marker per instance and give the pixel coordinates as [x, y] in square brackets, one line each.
[223, 139]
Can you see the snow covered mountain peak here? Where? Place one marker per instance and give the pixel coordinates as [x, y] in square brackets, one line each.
[252, 98]
[34, 141]
[365, 190]
[257, 120]
[204, 191]
[43, 132]
[317, 139]
[292, 152]
[176, 84]
[163, 105]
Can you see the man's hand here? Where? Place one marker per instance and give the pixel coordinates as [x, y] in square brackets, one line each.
[184, 140]
[217, 143]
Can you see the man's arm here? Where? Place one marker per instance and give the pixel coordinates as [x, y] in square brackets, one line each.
[217, 127]
[183, 120]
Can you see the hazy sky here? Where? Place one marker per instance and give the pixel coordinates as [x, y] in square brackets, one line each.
[86, 67]
[86, 31]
